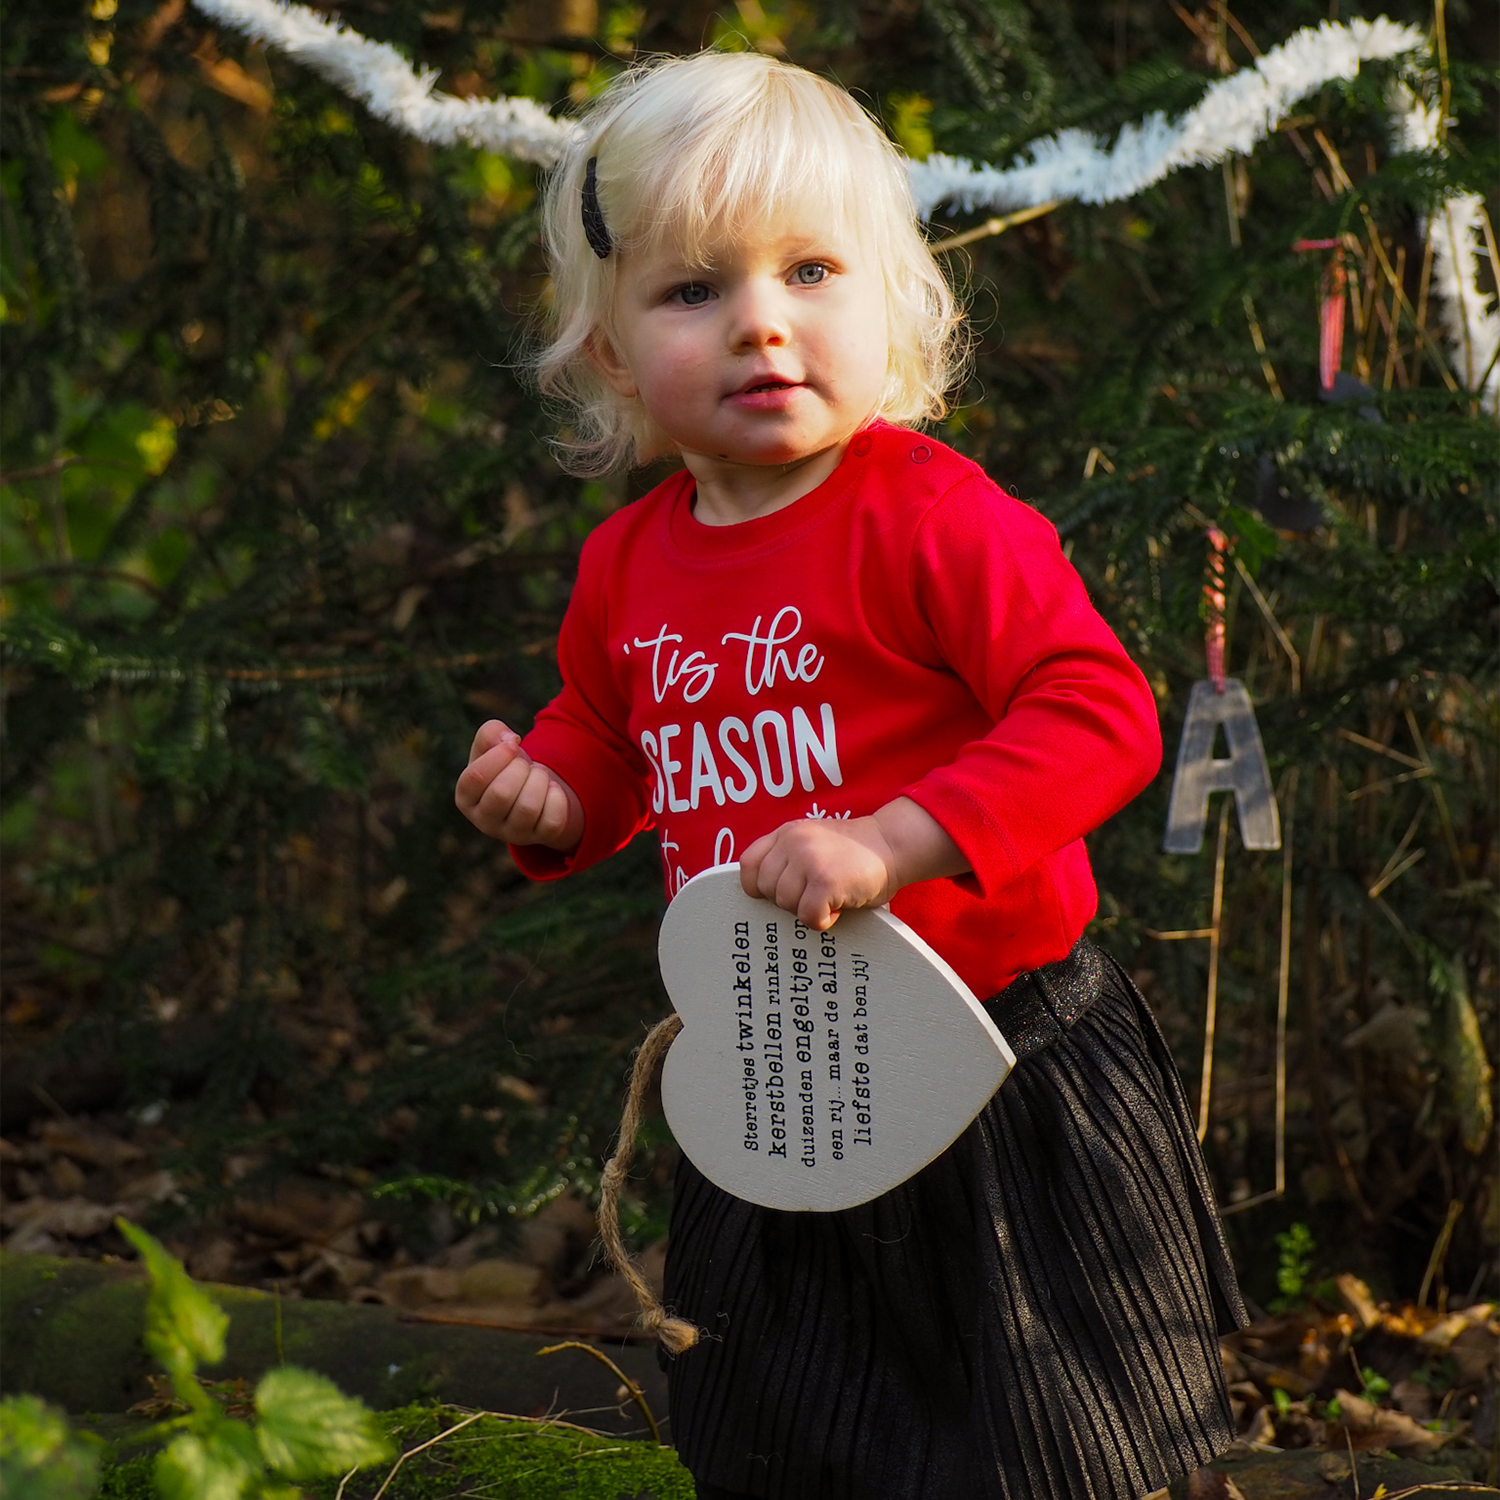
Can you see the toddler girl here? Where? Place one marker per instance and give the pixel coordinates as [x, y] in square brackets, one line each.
[832, 649]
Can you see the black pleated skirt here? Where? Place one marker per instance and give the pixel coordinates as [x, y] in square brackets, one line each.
[1034, 1316]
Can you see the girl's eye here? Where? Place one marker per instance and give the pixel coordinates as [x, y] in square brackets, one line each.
[810, 274]
[694, 294]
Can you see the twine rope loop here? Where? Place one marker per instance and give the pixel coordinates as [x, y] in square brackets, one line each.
[677, 1335]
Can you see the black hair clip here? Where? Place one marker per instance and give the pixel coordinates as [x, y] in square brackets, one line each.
[595, 230]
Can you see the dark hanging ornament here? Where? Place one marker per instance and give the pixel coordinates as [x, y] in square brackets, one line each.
[595, 230]
[1277, 502]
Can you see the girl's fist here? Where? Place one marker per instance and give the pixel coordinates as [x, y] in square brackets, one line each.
[506, 794]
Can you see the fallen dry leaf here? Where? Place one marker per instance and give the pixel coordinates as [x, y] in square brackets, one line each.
[1371, 1427]
[1443, 1332]
[87, 1144]
[498, 1281]
[419, 1286]
[1356, 1296]
[73, 1218]
[301, 1208]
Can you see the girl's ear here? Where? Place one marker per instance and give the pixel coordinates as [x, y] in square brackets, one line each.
[606, 359]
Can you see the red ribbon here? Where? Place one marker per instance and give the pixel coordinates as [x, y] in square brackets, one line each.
[1213, 605]
[1332, 297]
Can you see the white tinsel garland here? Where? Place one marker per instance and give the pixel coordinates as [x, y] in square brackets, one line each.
[385, 83]
[1234, 114]
[1471, 320]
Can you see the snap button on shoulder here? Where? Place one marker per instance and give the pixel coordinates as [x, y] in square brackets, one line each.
[921, 453]
[862, 446]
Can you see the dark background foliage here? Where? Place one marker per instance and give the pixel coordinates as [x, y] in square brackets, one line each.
[281, 526]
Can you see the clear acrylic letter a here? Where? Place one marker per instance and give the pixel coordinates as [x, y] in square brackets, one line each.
[1199, 774]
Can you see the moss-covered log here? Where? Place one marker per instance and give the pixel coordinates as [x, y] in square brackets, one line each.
[499, 1460]
[72, 1334]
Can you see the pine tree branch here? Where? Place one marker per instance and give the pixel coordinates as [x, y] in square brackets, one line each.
[349, 669]
[88, 570]
[67, 461]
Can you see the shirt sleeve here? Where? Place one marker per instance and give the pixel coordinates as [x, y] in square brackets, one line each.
[582, 734]
[1075, 732]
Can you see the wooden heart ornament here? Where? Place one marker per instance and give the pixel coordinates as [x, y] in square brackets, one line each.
[815, 1070]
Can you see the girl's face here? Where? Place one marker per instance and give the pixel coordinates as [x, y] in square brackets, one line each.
[772, 355]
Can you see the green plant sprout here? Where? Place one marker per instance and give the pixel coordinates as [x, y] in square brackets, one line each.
[41, 1458]
[1295, 1250]
[306, 1427]
[1294, 1247]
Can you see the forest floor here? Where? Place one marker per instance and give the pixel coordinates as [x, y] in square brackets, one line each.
[1346, 1378]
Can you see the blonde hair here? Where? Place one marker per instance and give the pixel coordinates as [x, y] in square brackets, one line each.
[689, 148]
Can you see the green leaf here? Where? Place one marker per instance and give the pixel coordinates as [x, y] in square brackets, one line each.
[218, 1465]
[184, 1326]
[308, 1427]
[40, 1457]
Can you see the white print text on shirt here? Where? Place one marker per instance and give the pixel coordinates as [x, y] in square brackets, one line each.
[767, 754]
[677, 877]
[732, 760]
[694, 669]
[766, 655]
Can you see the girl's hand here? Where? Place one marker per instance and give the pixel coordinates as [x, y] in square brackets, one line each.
[509, 796]
[816, 867]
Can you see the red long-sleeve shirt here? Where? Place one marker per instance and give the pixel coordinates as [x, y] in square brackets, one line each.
[906, 628]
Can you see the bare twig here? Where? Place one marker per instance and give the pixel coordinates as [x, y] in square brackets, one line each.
[1259, 340]
[1341, 178]
[1289, 801]
[1391, 321]
[1283, 981]
[1399, 925]
[1391, 877]
[994, 226]
[1244, 36]
[1231, 201]
[1275, 624]
[1418, 315]
[1386, 876]
[1440, 25]
[1435, 787]
[636, 1393]
[1211, 1009]
[1424, 286]
[1460, 1487]
[1439, 1250]
[420, 1448]
[1396, 755]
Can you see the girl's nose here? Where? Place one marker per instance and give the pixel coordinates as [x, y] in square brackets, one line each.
[760, 316]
